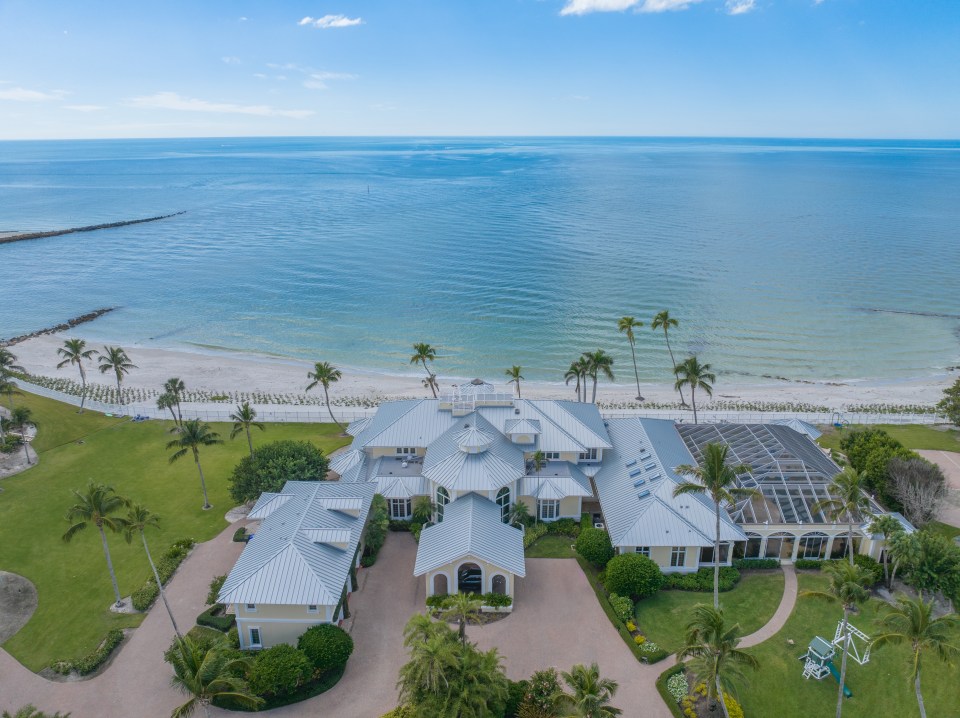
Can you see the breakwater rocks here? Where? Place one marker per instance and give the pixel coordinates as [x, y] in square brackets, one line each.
[90, 228]
[69, 324]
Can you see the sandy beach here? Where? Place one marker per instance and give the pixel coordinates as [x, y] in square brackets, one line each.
[221, 372]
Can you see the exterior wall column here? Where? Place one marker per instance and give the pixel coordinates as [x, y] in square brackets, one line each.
[763, 547]
[796, 548]
[829, 549]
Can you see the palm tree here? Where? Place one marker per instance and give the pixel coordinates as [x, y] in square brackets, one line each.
[175, 388]
[8, 365]
[74, 351]
[697, 376]
[847, 501]
[423, 508]
[573, 373]
[95, 506]
[711, 647]
[461, 607]
[20, 417]
[167, 401]
[911, 621]
[8, 387]
[590, 695]
[664, 321]
[888, 527]
[422, 353]
[848, 584]
[515, 378]
[430, 382]
[137, 521]
[208, 673]
[115, 359]
[906, 551]
[628, 324]
[598, 362]
[539, 460]
[432, 657]
[718, 480]
[190, 437]
[519, 514]
[243, 418]
[30, 711]
[325, 374]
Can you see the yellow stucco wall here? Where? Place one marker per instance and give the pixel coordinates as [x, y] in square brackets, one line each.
[489, 571]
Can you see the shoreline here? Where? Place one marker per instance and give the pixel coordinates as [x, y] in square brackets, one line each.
[223, 371]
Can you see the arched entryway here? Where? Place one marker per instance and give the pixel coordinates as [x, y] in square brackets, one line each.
[499, 584]
[812, 545]
[469, 578]
[440, 585]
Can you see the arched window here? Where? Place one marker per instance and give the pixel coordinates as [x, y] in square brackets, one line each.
[503, 501]
[752, 549]
[780, 545]
[470, 578]
[440, 584]
[500, 584]
[812, 545]
[443, 498]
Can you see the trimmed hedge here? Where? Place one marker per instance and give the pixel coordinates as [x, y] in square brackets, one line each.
[633, 575]
[594, 545]
[215, 618]
[808, 563]
[564, 527]
[92, 661]
[750, 564]
[497, 600]
[399, 525]
[702, 580]
[144, 596]
[368, 560]
[860, 559]
[327, 646]
[279, 671]
[532, 533]
[240, 535]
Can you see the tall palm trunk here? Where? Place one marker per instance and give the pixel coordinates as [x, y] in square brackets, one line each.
[850, 538]
[119, 395]
[326, 397]
[203, 483]
[716, 561]
[693, 400]
[249, 440]
[83, 382]
[723, 702]
[156, 577]
[26, 444]
[916, 687]
[595, 377]
[843, 662]
[636, 374]
[429, 374]
[674, 362]
[113, 576]
[886, 558]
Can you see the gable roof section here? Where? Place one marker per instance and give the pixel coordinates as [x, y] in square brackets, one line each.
[410, 422]
[556, 480]
[635, 487]
[291, 559]
[471, 527]
[456, 461]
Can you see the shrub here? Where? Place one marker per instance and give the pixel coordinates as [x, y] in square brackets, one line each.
[756, 563]
[92, 661]
[623, 608]
[631, 626]
[144, 596]
[415, 529]
[215, 585]
[541, 698]
[532, 533]
[634, 575]
[273, 465]
[327, 646]
[594, 545]
[279, 671]
[399, 525]
[871, 564]
[214, 617]
[677, 685]
[497, 600]
[702, 580]
[377, 526]
[639, 639]
[368, 560]
[399, 712]
[233, 638]
[240, 535]
[565, 527]
[809, 563]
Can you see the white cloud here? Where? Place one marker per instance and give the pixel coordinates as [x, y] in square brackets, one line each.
[739, 7]
[242, 18]
[260, 76]
[174, 101]
[318, 80]
[328, 22]
[84, 108]
[19, 94]
[231, 60]
[583, 7]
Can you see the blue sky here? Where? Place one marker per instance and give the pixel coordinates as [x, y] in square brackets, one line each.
[786, 68]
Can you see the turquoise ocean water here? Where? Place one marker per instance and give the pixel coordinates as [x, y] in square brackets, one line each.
[817, 260]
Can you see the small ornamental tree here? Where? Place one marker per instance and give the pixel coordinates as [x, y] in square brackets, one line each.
[279, 671]
[327, 646]
[949, 406]
[634, 575]
[594, 545]
[273, 465]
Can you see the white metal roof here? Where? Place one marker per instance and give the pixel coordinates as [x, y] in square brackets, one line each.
[346, 460]
[283, 565]
[266, 505]
[556, 480]
[471, 527]
[800, 426]
[455, 463]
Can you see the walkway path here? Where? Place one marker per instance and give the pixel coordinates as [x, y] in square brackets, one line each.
[780, 616]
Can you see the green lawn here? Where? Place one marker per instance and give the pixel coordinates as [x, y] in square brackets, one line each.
[943, 529]
[71, 579]
[880, 688]
[551, 546]
[913, 436]
[663, 617]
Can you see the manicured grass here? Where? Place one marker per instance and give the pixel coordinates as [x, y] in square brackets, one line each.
[880, 688]
[913, 436]
[943, 529]
[71, 579]
[551, 546]
[664, 617]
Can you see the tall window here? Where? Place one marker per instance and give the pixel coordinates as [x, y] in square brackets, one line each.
[399, 508]
[678, 555]
[642, 550]
[588, 455]
[443, 498]
[549, 509]
[503, 501]
[255, 641]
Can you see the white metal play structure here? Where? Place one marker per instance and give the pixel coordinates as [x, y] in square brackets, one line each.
[857, 642]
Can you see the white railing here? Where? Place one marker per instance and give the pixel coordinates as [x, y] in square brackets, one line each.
[765, 417]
